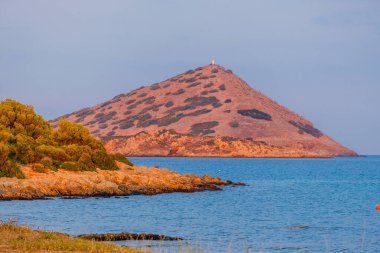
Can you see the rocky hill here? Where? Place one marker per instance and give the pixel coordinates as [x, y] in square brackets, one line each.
[209, 101]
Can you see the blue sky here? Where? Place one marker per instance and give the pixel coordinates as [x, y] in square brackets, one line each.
[320, 59]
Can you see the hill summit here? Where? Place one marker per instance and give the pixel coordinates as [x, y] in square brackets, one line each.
[208, 101]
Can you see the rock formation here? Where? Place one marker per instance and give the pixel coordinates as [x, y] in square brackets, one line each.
[125, 181]
[209, 102]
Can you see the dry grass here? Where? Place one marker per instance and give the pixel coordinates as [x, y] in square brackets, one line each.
[15, 238]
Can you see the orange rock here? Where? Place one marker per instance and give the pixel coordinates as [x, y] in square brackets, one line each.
[152, 143]
[127, 180]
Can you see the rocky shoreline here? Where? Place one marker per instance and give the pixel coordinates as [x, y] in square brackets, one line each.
[126, 236]
[129, 180]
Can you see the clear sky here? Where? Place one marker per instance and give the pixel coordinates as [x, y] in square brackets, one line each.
[320, 59]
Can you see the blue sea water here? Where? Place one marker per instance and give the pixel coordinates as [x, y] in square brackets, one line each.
[289, 205]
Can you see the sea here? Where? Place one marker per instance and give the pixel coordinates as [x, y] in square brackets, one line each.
[288, 205]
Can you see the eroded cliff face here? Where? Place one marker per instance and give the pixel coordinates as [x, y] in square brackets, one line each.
[170, 143]
[128, 180]
[207, 101]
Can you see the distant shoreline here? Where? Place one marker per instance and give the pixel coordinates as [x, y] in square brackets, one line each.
[255, 157]
[168, 143]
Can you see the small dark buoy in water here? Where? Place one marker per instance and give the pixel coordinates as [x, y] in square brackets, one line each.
[377, 207]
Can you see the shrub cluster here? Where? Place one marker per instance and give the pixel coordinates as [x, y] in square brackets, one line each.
[234, 124]
[203, 128]
[155, 86]
[256, 114]
[26, 138]
[142, 95]
[208, 85]
[305, 128]
[169, 104]
[178, 92]
[222, 87]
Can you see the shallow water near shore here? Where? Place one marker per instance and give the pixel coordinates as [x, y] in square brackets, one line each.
[290, 205]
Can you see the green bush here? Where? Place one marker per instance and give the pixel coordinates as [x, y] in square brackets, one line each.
[178, 92]
[70, 166]
[104, 160]
[103, 126]
[234, 124]
[11, 169]
[47, 162]
[38, 167]
[121, 158]
[26, 138]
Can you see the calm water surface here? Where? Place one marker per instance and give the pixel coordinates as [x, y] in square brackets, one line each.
[290, 205]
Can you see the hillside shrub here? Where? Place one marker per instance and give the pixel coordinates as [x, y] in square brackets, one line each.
[203, 128]
[234, 124]
[208, 85]
[130, 101]
[70, 166]
[194, 84]
[38, 167]
[111, 133]
[26, 138]
[84, 112]
[119, 96]
[190, 80]
[106, 103]
[126, 124]
[103, 126]
[216, 105]
[155, 86]
[178, 92]
[305, 128]
[103, 117]
[121, 158]
[198, 112]
[256, 114]
[47, 162]
[169, 104]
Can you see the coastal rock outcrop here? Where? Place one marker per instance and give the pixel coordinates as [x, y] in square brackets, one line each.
[123, 236]
[127, 180]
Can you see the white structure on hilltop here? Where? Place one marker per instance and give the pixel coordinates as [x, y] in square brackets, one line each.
[212, 62]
